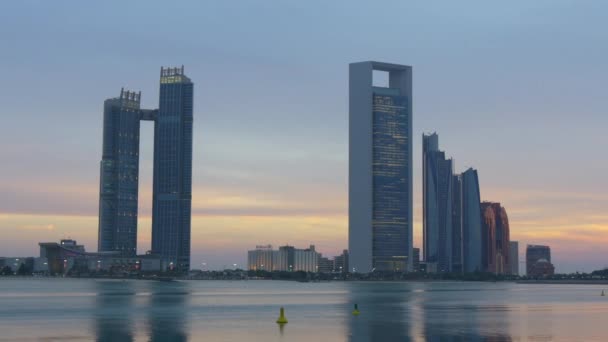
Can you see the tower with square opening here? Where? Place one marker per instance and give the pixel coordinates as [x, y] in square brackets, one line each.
[380, 169]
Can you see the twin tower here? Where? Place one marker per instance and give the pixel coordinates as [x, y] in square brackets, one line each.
[172, 174]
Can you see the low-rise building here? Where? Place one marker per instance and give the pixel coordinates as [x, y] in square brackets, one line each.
[67, 255]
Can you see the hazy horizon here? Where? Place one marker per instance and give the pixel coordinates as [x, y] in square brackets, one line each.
[515, 90]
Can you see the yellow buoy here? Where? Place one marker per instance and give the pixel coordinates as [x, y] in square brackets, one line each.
[356, 311]
[282, 319]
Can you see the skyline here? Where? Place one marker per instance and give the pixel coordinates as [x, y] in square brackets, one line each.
[263, 163]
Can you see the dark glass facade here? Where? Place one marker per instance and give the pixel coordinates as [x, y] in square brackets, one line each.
[437, 197]
[457, 224]
[471, 222]
[390, 155]
[119, 171]
[172, 188]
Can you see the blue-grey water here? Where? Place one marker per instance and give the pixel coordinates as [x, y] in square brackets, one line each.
[116, 310]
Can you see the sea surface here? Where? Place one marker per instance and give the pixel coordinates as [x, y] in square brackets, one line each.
[132, 310]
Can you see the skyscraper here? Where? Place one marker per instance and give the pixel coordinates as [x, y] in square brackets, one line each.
[495, 237]
[471, 222]
[457, 237]
[172, 187]
[437, 177]
[380, 168]
[488, 223]
[514, 257]
[119, 171]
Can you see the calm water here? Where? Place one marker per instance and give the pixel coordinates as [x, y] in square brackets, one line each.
[85, 310]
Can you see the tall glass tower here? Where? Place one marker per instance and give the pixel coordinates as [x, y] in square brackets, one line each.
[471, 222]
[119, 171]
[437, 206]
[380, 169]
[172, 188]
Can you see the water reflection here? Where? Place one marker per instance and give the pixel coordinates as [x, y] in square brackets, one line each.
[383, 316]
[418, 312]
[167, 316]
[113, 318]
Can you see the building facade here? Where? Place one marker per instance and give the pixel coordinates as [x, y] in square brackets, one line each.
[286, 258]
[514, 257]
[261, 258]
[541, 255]
[119, 172]
[495, 238]
[380, 169]
[457, 237]
[172, 184]
[437, 199]
[416, 261]
[471, 221]
[341, 262]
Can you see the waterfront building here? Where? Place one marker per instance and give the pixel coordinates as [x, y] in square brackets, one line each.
[514, 257]
[416, 261]
[534, 255]
[65, 256]
[306, 260]
[286, 258]
[119, 172]
[488, 221]
[437, 175]
[172, 173]
[495, 238]
[325, 265]
[341, 262]
[471, 221]
[380, 168]
[172, 183]
[261, 258]
[542, 268]
[457, 231]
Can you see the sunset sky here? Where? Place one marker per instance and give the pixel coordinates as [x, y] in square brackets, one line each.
[515, 89]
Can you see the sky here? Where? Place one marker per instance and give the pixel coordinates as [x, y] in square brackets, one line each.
[514, 89]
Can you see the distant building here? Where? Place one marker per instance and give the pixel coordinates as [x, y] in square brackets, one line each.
[341, 262]
[172, 183]
[514, 257]
[380, 169]
[437, 177]
[416, 261]
[18, 263]
[60, 258]
[325, 265]
[286, 258]
[261, 258]
[457, 229]
[306, 260]
[542, 268]
[172, 179]
[495, 238]
[538, 261]
[471, 222]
